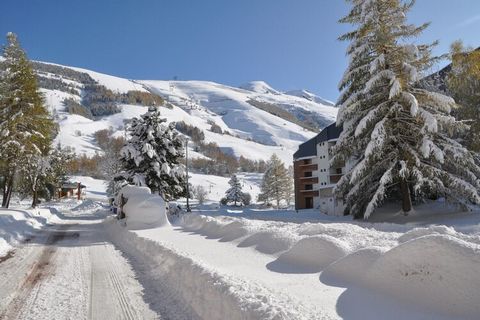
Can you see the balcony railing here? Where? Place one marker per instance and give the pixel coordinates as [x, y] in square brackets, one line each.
[308, 180]
[335, 178]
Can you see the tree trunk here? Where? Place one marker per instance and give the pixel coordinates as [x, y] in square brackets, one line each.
[7, 192]
[35, 197]
[4, 195]
[406, 199]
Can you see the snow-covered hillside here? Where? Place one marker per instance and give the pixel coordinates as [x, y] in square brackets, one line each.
[257, 121]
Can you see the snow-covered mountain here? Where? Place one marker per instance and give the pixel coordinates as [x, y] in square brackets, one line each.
[310, 97]
[256, 119]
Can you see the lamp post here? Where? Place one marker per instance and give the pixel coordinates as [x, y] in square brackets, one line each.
[186, 166]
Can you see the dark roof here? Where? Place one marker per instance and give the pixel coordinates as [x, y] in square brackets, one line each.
[72, 185]
[309, 148]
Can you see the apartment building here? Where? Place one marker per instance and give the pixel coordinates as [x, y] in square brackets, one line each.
[314, 177]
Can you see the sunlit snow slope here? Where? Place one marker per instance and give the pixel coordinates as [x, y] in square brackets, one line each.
[258, 120]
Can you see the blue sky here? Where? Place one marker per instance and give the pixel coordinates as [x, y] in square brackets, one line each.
[290, 44]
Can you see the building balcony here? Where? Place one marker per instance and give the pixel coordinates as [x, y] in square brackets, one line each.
[309, 193]
[335, 178]
[308, 180]
[308, 167]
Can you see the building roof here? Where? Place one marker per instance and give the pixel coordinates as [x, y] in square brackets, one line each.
[72, 185]
[309, 148]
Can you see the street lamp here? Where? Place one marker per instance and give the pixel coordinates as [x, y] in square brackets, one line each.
[186, 166]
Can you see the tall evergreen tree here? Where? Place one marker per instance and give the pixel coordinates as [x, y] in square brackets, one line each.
[277, 183]
[463, 83]
[152, 155]
[234, 193]
[26, 127]
[397, 136]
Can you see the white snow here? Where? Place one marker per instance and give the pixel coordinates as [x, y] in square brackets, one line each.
[253, 133]
[143, 209]
[16, 225]
[320, 269]
[310, 96]
[95, 188]
[240, 264]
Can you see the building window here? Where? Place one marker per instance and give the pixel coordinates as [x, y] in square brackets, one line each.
[309, 187]
[307, 174]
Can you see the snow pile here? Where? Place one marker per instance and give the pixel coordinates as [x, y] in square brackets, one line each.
[143, 210]
[434, 268]
[205, 292]
[311, 254]
[441, 271]
[18, 225]
[129, 191]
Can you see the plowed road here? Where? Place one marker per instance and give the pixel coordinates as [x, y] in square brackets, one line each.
[70, 271]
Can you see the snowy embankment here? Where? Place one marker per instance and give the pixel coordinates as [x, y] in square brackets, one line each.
[17, 225]
[207, 293]
[272, 269]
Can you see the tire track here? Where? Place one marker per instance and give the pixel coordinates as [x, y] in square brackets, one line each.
[40, 270]
[109, 282]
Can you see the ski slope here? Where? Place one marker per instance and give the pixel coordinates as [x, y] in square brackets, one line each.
[249, 131]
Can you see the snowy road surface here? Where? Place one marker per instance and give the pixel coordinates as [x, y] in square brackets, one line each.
[70, 271]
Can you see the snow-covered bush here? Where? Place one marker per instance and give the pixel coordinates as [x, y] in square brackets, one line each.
[200, 193]
[141, 208]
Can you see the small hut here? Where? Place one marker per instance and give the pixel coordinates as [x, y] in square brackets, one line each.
[72, 190]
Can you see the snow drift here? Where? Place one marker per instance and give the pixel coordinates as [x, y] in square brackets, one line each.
[310, 255]
[206, 293]
[17, 225]
[434, 268]
[441, 271]
[143, 210]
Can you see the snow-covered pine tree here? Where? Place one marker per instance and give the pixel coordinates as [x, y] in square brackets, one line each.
[397, 137]
[277, 183]
[463, 83]
[234, 193]
[26, 127]
[152, 155]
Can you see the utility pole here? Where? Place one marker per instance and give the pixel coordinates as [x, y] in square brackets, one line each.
[186, 166]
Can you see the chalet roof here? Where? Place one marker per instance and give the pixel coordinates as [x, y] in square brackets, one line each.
[72, 185]
[309, 148]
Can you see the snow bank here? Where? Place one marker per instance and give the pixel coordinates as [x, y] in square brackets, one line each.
[129, 190]
[18, 225]
[345, 271]
[145, 211]
[310, 254]
[434, 268]
[436, 271]
[206, 293]
[212, 228]
[268, 242]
